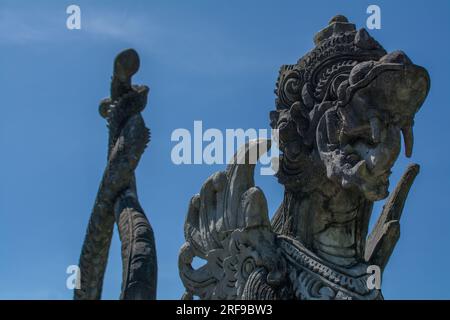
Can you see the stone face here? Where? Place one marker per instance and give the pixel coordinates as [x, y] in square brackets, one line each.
[341, 112]
[117, 199]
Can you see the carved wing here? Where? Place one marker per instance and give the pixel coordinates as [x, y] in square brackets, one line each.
[228, 226]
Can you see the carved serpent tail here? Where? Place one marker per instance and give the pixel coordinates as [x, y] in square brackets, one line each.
[94, 254]
[117, 196]
[138, 248]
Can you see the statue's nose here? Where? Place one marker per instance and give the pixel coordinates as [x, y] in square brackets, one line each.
[396, 57]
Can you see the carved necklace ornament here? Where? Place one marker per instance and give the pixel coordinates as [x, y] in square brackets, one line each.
[341, 111]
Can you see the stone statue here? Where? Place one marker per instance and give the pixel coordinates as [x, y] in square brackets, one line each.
[340, 112]
[117, 199]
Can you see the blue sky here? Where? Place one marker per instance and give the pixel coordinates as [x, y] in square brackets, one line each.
[215, 61]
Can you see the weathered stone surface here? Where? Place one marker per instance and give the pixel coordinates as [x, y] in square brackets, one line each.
[341, 111]
[117, 199]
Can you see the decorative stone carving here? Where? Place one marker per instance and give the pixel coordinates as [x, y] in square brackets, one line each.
[117, 199]
[341, 111]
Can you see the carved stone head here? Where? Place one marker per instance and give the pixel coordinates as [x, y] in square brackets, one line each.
[346, 103]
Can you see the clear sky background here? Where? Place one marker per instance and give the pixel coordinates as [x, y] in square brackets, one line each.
[215, 61]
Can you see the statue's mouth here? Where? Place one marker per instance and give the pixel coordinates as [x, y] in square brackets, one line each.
[393, 89]
[363, 140]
